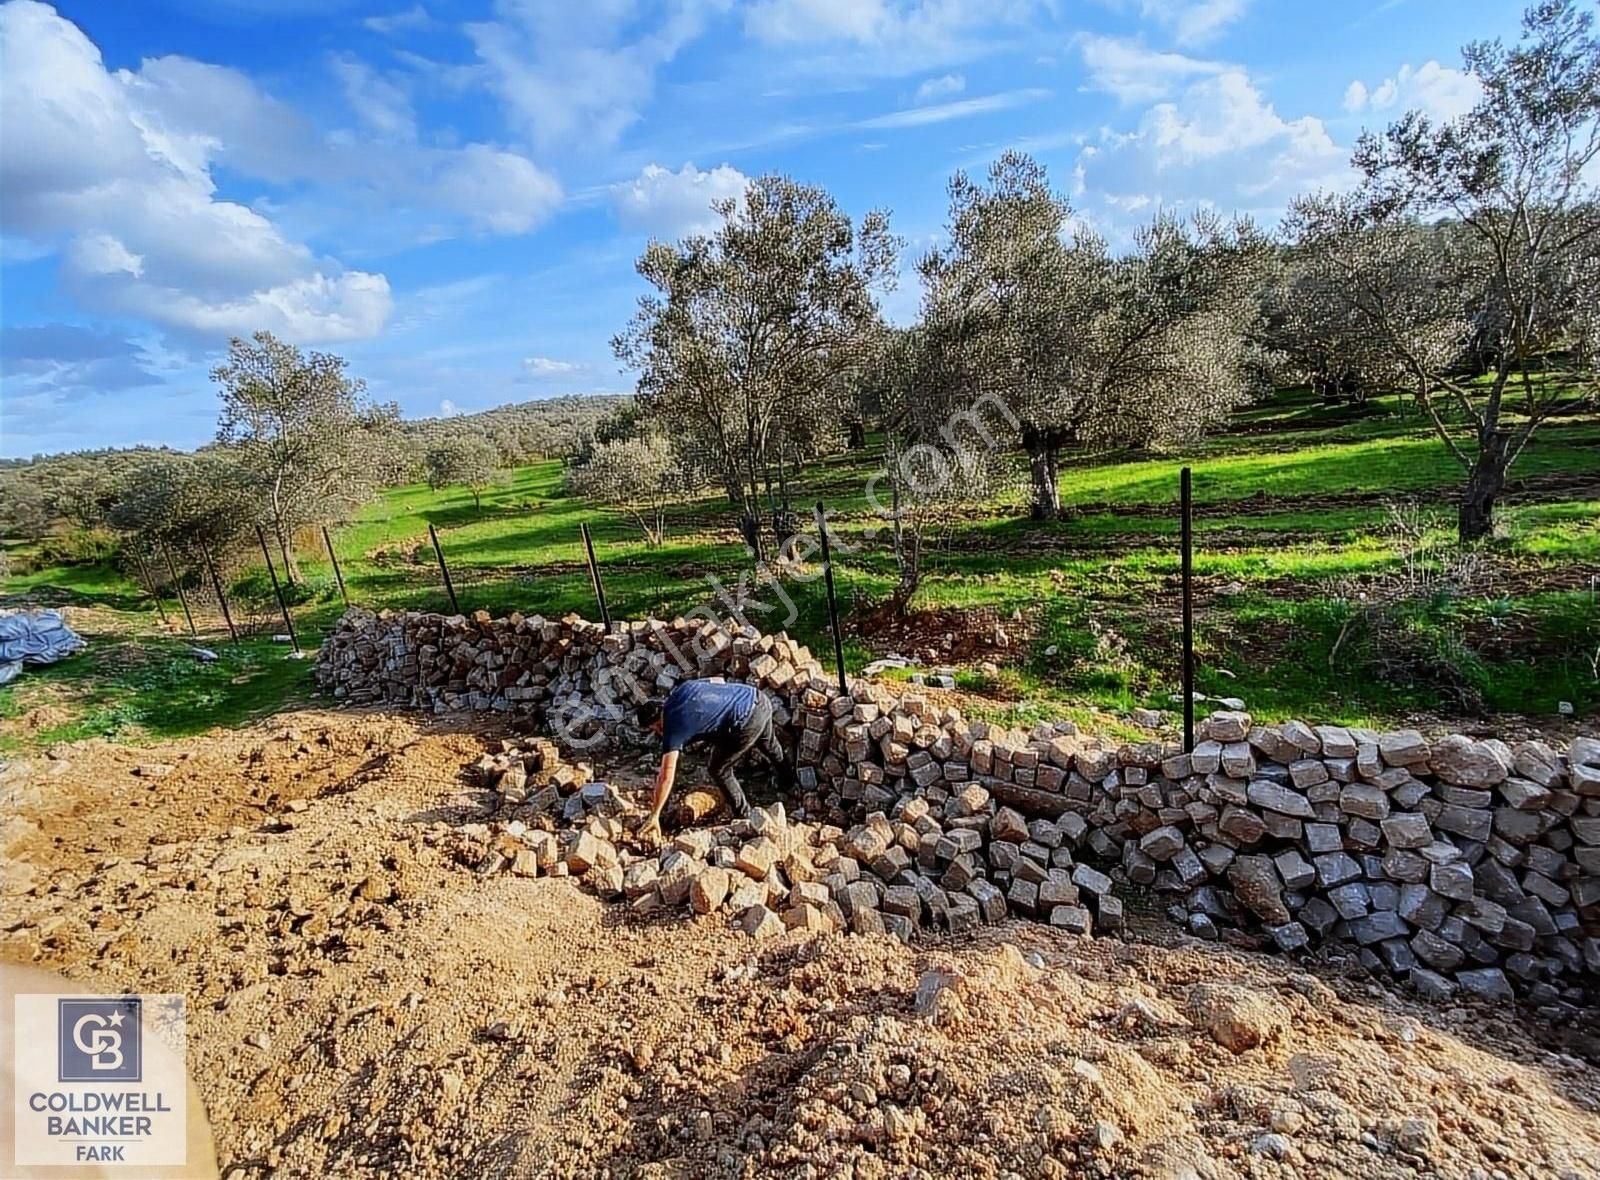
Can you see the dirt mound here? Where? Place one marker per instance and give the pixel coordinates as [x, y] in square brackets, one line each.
[364, 1004]
[944, 634]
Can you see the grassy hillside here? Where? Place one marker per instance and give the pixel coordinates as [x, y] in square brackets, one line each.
[1294, 544]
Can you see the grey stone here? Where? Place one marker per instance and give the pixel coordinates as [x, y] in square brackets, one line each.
[1462, 762]
[1281, 799]
[1470, 822]
[1364, 800]
[1436, 952]
[1324, 838]
[1161, 844]
[1403, 747]
[1073, 919]
[1421, 906]
[1295, 870]
[1406, 829]
[1452, 880]
[1334, 868]
[1091, 880]
[1488, 982]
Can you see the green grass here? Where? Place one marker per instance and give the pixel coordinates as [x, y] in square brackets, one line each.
[1291, 517]
[144, 687]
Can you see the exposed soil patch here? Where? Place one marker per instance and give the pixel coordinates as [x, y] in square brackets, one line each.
[944, 634]
[361, 1004]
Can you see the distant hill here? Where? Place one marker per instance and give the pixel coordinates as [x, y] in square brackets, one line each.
[524, 431]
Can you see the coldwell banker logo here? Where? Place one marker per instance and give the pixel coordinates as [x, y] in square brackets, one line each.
[99, 1080]
[99, 1040]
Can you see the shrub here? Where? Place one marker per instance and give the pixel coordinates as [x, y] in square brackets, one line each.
[78, 547]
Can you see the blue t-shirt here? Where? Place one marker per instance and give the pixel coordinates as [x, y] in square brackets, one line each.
[701, 708]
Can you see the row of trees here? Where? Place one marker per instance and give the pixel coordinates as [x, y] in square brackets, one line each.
[298, 444]
[1462, 272]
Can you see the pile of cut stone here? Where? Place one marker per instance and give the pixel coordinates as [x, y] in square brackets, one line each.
[894, 873]
[1453, 862]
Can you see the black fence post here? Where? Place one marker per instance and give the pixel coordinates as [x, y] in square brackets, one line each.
[177, 584]
[277, 589]
[833, 604]
[594, 575]
[1186, 496]
[150, 586]
[338, 576]
[449, 586]
[216, 584]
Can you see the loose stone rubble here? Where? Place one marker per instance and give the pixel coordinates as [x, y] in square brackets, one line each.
[1461, 865]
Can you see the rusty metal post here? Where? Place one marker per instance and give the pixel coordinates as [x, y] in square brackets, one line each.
[283, 603]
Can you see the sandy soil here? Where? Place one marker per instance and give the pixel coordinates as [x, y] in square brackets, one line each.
[361, 1004]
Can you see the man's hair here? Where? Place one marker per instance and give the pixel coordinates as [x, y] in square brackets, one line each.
[647, 714]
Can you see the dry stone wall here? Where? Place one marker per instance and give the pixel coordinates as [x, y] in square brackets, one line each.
[1456, 863]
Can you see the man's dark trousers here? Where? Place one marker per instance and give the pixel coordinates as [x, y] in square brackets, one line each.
[731, 748]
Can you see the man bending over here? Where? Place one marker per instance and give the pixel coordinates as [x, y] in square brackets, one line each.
[734, 718]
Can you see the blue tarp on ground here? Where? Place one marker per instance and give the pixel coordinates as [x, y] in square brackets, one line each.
[34, 637]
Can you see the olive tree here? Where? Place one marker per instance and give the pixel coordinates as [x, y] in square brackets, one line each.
[743, 343]
[1079, 344]
[179, 501]
[639, 474]
[1518, 282]
[943, 450]
[24, 507]
[467, 458]
[994, 308]
[1159, 357]
[303, 431]
[1309, 327]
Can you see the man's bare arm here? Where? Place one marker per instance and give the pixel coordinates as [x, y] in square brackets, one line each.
[658, 802]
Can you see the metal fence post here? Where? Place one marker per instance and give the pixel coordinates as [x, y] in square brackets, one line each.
[150, 586]
[177, 584]
[833, 605]
[1186, 498]
[449, 586]
[594, 575]
[216, 584]
[334, 557]
[277, 589]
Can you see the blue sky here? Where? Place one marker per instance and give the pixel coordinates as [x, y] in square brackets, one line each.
[452, 194]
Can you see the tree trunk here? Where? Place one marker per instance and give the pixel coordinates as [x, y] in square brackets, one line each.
[1043, 448]
[291, 568]
[908, 559]
[905, 589]
[1484, 483]
[750, 530]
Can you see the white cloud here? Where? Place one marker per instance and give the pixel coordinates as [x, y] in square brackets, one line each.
[1193, 22]
[940, 87]
[889, 37]
[543, 366]
[380, 103]
[1437, 91]
[964, 108]
[673, 204]
[114, 170]
[1220, 143]
[415, 17]
[1134, 73]
[448, 409]
[130, 201]
[579, 72]
[496, 191]
[779, 21]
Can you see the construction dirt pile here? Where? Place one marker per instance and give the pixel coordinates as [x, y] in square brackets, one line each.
[374, 989]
